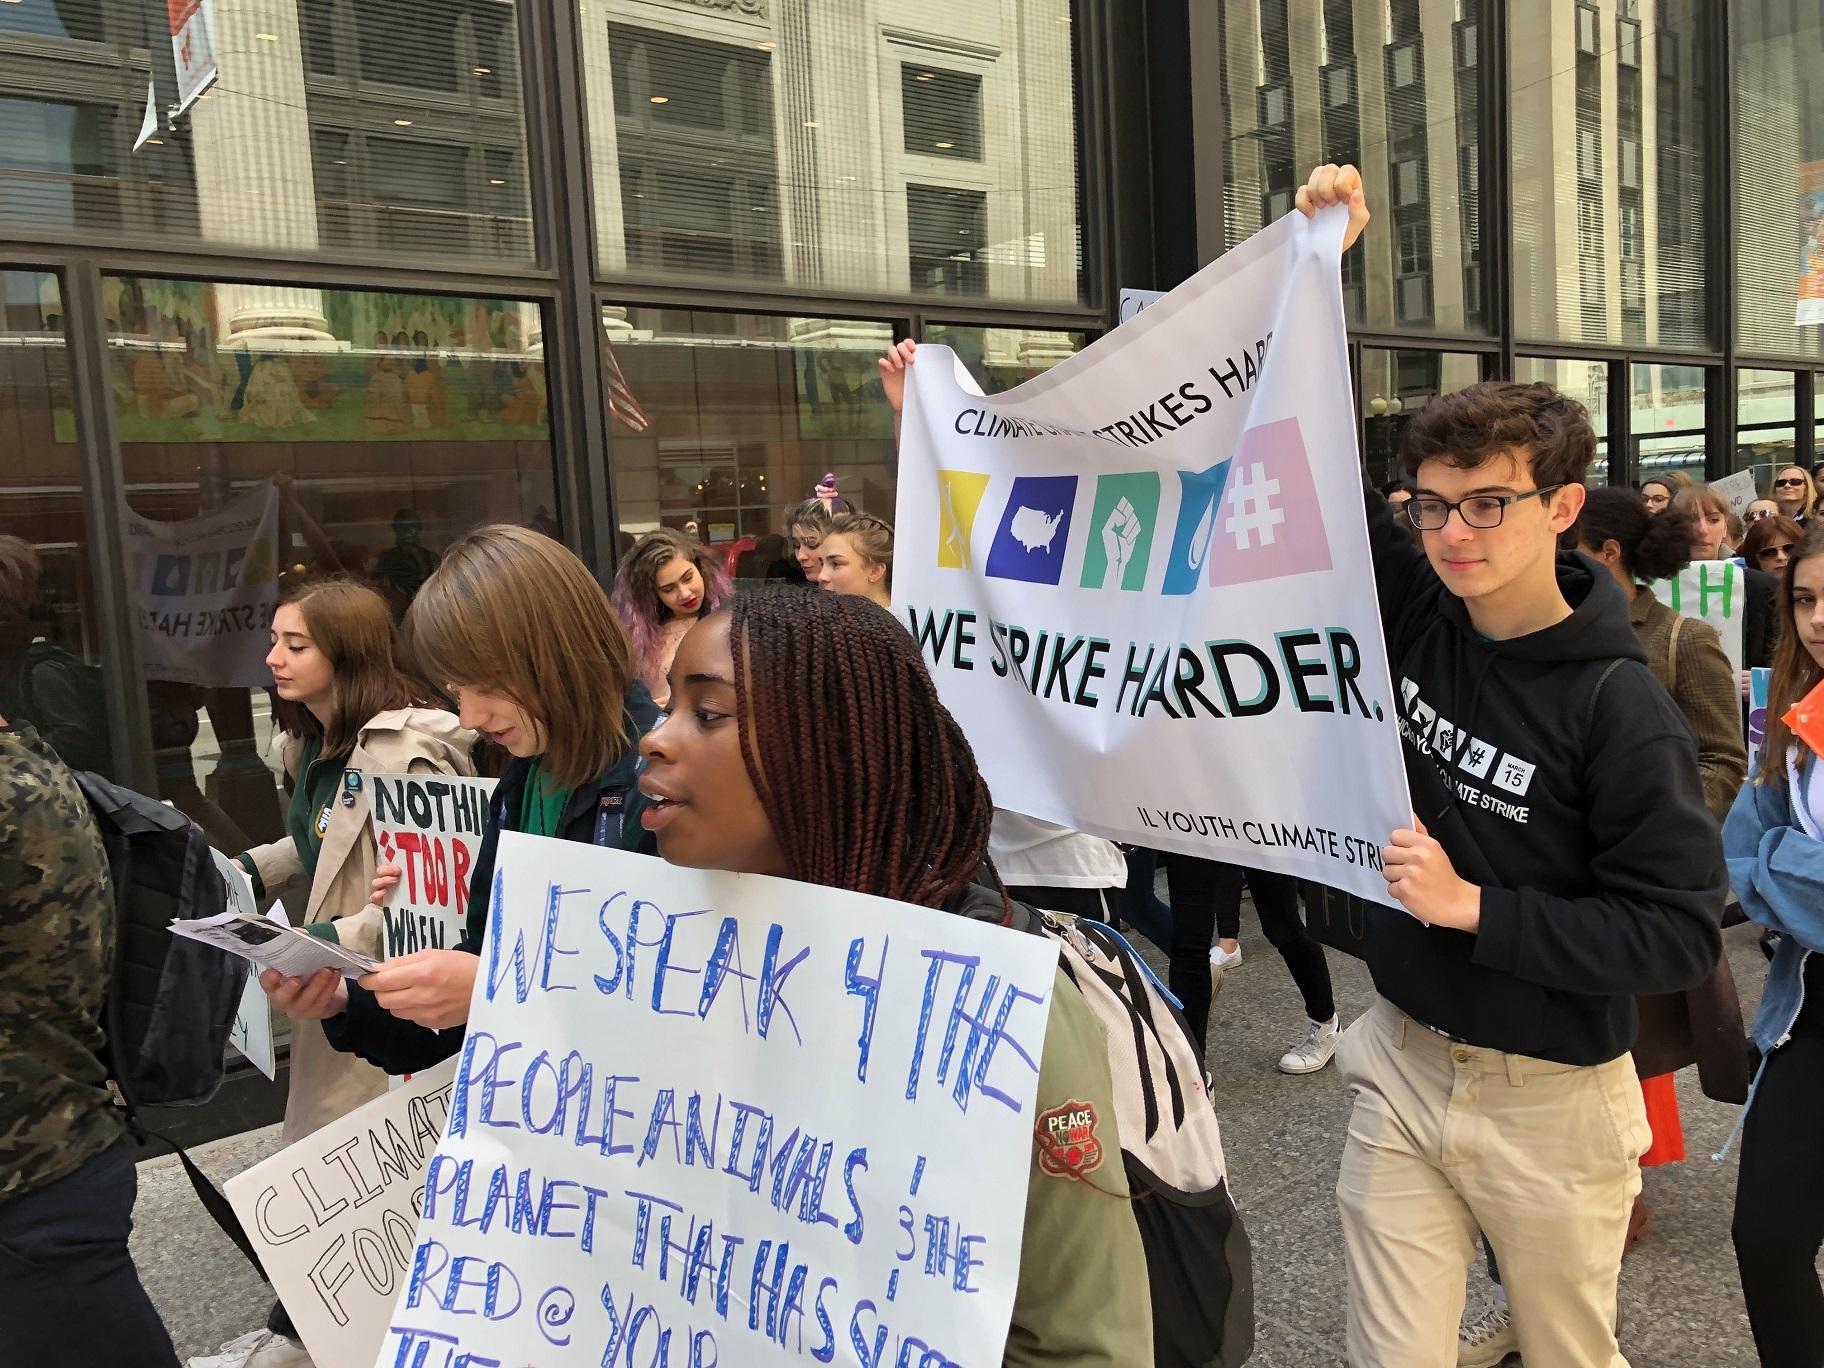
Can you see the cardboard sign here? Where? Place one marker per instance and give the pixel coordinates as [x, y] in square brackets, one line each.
[1138, 573]
[251, 1033]
[1738, 489]
[333, 1217]
[706, 1118]
[1715, 592]
[431, 826]
[1758, 681]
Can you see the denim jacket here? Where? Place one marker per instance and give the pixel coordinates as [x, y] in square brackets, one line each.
[1778, 873]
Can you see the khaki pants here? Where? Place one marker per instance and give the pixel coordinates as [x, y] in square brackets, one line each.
[1446, 1139]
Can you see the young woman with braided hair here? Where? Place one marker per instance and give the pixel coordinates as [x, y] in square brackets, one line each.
[774, 690]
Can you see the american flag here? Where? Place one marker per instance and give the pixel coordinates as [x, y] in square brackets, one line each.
[621, 403]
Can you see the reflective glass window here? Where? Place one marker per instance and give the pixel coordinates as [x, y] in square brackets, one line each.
[1588, 383]
[320, 126]
[1394, 386]
[1609, 174]
[272, 433]
[723, 421]
[1778, 50]
[1394, 86]
[1765, 417]
[50, 652]
[927, 153]
[1000, 358]
[1666, 420]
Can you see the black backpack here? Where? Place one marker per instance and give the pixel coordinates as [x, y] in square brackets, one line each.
[171, 1002]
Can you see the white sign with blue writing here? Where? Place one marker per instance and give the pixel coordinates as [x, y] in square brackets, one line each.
[704, 1118]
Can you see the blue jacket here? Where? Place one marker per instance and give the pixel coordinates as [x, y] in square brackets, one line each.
[1778, 873]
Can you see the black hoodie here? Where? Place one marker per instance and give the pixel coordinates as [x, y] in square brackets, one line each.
[1578, 812]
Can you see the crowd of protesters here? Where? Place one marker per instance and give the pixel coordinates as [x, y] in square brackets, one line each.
[1535, 989]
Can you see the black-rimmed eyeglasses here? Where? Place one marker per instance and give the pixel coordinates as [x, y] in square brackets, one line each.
[1478, 510]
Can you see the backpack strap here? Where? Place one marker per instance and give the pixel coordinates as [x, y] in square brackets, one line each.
[1589, 716]
[1678, 623]
[219, 1209]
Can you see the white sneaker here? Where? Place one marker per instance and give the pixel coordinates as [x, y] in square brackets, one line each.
[1311, 1051]
[1487, 1342]
[256, 1349]
[1225, 959]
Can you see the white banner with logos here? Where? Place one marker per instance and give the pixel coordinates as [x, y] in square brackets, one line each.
[752, 1120]
[1142, 580]
[204, 592]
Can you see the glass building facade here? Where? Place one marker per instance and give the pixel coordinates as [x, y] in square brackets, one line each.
[597, 266]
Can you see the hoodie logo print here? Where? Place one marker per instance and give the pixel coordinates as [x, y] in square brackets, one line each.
[1477, 757]
[1516, 776]
[1448, 745]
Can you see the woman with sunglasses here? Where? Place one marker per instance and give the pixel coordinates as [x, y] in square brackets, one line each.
[1760, 508]
[1770, 542]
[1793, 492]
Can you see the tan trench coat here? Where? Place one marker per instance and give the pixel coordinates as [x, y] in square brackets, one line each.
[325, 1083]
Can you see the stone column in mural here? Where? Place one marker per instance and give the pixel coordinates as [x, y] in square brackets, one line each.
[254, 183]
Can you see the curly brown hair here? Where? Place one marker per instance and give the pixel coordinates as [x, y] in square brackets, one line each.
[1503, 418]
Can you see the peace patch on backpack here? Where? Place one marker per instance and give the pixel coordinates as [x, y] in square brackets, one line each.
[1068, 1147]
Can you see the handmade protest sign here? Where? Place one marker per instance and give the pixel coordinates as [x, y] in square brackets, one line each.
[1738, 489]
[431, 827]
[1142, 580]
[251, 1033]
[205, 590]
[1758, 682]
[1715, 592]
[332, 1217]
[707, 1118]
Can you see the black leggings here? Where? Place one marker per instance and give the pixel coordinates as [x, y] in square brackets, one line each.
[1206, 900]
[1779, 1202]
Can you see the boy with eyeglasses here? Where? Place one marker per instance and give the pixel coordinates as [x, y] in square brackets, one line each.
[1560, 861]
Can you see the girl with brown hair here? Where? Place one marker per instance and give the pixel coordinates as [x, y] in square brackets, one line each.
[665, 583]
[776, 688]
[1709, 512]
[345, 710]
[514, 628]
[1774, 842]
[1770, 543]
[805, 526]
[858, 557]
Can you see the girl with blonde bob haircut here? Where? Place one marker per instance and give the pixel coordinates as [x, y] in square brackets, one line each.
[515, 628]
[666, 582]
[858, 557]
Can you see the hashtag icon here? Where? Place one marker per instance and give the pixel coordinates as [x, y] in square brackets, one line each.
[1254, 518]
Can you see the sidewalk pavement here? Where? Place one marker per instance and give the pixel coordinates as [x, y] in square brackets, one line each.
[1680, 1296]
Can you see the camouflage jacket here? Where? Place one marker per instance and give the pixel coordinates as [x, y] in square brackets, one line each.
[56, 952]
